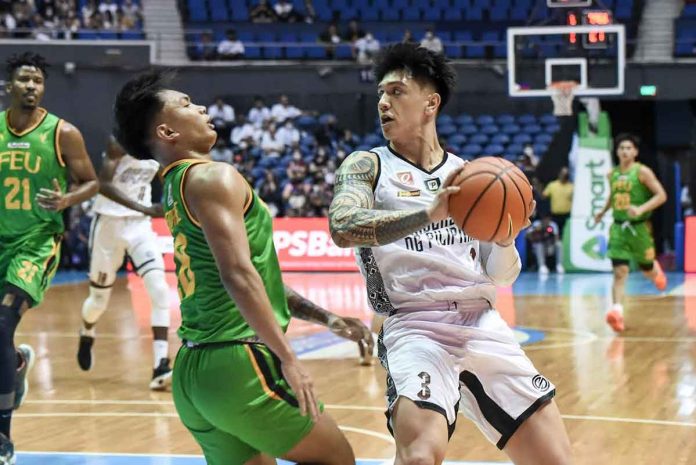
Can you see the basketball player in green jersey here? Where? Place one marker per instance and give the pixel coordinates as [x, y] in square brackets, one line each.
[635, 193]
[237, 385]
[39, 155]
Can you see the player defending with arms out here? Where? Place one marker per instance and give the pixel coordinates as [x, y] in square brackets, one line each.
[122, 226]
[40, 154]
[238, 386]
[635, 193]
[443, 344]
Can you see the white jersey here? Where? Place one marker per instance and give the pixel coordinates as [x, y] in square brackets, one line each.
[438, 267]
[133, 178]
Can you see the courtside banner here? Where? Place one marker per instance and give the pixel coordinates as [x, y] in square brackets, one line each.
[586, 242]
[303, 244]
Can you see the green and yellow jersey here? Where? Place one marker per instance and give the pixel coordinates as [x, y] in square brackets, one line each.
[627, 190]
[208, 314]
[29, 161]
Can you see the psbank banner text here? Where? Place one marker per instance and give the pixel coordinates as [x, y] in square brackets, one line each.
[302, 244]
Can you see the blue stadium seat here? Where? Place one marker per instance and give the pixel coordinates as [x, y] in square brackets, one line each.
[252, 52]
[411, 14]
[445, 119]
[344, 52]
[527, 118]
[504, 118]
[294, 52]
[239, 12]
[519, 14]
[471, 150]
[473, 14]
[315, 51]
[108, 35]
[369, 14]
[478, 139]
[485, 119]
[85, 34]
[493, 149]
[540, 149]
[502, 139]
[531, 129]
[390, 14]
[490, 129]
[547, 118]
[543, 138]
[498, 14]
[447, 130]
[373, 140]
[522, 139]
[433, 14]
[464, 119]
[552, 128]
[468, 129]
[511, 129]
[453, 51]
[132, 35]
[515, 148]
[457, 139]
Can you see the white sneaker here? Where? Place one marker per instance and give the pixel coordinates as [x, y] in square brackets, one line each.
[543, 269]
[560, 269]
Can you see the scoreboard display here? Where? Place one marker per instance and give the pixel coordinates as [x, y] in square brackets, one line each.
[591, 40]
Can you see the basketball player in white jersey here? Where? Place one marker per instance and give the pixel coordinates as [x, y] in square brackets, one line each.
[121, 227]
[443, 344]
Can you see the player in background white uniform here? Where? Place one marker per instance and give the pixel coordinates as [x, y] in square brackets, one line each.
[122, 226]
[443, 344]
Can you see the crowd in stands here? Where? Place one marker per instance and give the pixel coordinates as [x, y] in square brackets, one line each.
[63, 19]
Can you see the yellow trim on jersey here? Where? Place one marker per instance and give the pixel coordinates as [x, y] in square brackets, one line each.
[56, 143]
[174, 164]
[259, 374]
[249, 200]
[27, 130]
[181, 190]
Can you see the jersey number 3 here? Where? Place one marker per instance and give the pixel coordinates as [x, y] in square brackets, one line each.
[12, 202]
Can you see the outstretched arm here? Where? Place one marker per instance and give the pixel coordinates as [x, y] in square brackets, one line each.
[352, 220]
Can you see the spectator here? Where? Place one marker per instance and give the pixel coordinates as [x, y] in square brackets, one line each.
[320, 197]
[353, 32]
[348, 141]
[297, 168]
[244, 134]
[560, 193]
[262, 13]
[295, 198]
[132, 12]
[220, 152]
[270, 143]
[328, 132]
[269, 191]
[222, 116]
[283, 110]
[330, 38]
[408, 37]
[309, 11]
[88, 10]
[319, 164]
[285, 12]
[365, 49]
[205, 49]
[259, 113]
[545, 240]
[40, 31]
[108, 10]
[289, 134]
[431, 42]
[230, 48]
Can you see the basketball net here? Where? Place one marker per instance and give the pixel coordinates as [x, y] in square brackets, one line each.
[562, 95]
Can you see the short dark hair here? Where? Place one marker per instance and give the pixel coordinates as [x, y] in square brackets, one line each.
[626, 137]
[424, 64]
[16, 61]
[136, 105]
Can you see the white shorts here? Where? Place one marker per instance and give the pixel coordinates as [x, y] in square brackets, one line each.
[112, 237]
[446, 360]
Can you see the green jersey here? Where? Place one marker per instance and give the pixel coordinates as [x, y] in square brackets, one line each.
[627, 190]
[29, 161]
[208, 314]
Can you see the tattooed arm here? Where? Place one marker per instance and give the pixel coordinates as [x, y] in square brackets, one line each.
[353, 221]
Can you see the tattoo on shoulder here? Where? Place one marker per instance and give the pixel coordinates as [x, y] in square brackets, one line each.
[357, 167]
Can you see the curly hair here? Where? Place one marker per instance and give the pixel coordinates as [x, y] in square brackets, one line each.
[423, 64]
[136, 105]
[626, 137]
[14, 62]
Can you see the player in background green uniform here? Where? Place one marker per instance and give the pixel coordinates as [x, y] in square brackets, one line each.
[635, 193]
[40, 154]
[238, 386]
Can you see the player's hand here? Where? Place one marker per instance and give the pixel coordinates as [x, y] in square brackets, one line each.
[598, 218]
[439, 209]
[512, 232]
[154, 211]
[634, 211]
[303, 387]
[355, 330]
[54, 200]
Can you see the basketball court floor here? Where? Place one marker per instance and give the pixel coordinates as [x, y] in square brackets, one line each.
[625, 400]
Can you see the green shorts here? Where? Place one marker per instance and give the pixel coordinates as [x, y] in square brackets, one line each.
[233, 399]
[632, 241]
[30, 265]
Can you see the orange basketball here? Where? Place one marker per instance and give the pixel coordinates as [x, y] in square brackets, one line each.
[494, 194]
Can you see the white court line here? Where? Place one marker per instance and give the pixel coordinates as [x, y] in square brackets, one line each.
[367, 432]
[644, 421]
[649, 339]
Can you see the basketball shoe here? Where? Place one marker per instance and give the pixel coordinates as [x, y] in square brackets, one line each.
[7, 456]
[660, 280]
[615, 318]
[84, 352]
[22, 381]
[161, 376]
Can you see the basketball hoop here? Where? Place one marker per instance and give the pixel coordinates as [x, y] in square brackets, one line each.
[562, 93]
